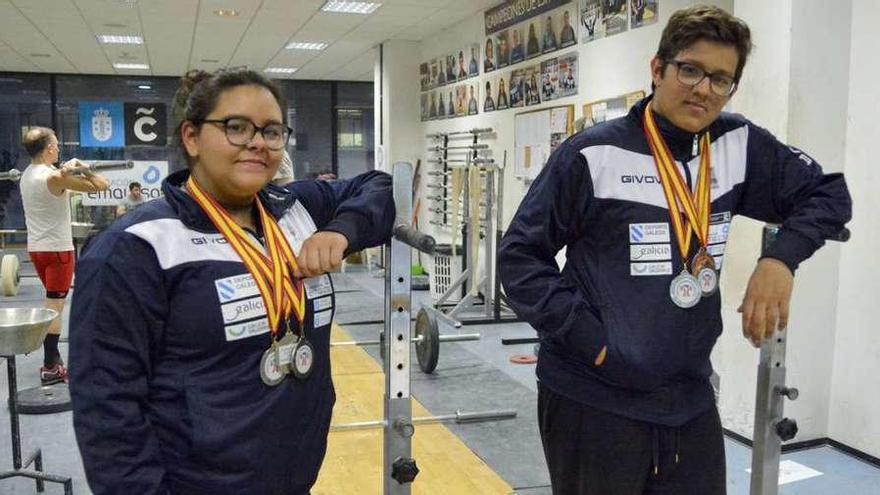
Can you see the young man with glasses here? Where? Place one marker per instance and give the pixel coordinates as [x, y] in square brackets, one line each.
[627, 326]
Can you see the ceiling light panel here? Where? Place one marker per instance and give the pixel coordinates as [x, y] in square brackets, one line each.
[281, 70]
[115, 39]
[303, 45]
[131, 66]
[346, 7]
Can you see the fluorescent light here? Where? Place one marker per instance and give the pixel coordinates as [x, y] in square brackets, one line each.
[303, 45]
[226, 13]
[120, 39]
[131, 66]
[144, 86]
[346, 7]
[281, 70]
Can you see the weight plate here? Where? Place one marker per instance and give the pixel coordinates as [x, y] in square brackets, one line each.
[428, 347]
[44, 400]
[9, 276]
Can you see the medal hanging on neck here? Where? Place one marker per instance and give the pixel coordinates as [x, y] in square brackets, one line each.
[688, 287]
[272, 271]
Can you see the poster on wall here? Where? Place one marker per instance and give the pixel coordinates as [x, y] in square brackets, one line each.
[615, 17]
[549, 79]
[451, 73]
[441, 106]
[424, 77]
[489, 100]
[517, 52]
[642, 13]
[533, 46]
[516, 89]
[461, 100]
[530, 85]
[432, 109]
[502, 50]
[489, 56]
[474, 63]
[423, 107]
[549, 41]
[473, 106]
[567, 35]
[450, 103]
[502, 101]
[601, 18]
[568, 75]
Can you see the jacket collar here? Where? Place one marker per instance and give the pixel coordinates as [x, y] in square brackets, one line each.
[276, 200]
[680, 141]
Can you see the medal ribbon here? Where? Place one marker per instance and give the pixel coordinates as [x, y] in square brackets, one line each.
[272, 271]
[697, 207]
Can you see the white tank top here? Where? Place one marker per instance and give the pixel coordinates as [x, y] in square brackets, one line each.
[47, 216]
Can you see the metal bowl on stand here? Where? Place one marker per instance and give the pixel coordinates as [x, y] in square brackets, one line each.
[22, 329]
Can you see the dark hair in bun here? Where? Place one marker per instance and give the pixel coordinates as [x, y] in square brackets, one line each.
[200, 90]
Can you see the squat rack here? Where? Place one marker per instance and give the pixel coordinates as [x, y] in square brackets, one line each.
[399, 468]
[771, 427]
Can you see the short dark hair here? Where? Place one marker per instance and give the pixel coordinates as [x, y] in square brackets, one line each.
[702, 22]
[200, 90]
[133, 185]
[36, 139]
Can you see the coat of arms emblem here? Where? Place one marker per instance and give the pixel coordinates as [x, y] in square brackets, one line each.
[102, 125]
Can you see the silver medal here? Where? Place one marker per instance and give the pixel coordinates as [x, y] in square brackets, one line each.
[270, 370]
[302, 360]
[708, 279]
[685, 290]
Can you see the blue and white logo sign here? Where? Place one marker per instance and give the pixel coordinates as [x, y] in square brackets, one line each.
[101, 124]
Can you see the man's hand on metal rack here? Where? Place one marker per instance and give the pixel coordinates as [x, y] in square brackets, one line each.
[320, 253]
[765, 305]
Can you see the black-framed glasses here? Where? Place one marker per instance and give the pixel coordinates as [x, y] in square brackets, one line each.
[240, 131]
[692, 75]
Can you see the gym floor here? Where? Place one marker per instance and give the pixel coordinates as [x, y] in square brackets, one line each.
[498, 457]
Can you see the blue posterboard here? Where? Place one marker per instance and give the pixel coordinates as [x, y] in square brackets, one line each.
[101, 124]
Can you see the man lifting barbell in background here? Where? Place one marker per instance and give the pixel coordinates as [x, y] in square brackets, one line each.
[45, 195]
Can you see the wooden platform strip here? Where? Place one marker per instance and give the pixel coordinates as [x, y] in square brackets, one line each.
[354, 458]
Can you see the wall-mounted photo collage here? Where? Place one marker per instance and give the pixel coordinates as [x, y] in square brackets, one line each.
[450, 102]
[533, 84]
[545, 33]
[602, 18]
[438, 78]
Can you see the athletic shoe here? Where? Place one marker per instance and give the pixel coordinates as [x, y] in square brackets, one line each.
[56, 373]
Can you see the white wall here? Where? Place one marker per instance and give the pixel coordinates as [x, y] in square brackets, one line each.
[400, 139]
[855, 413]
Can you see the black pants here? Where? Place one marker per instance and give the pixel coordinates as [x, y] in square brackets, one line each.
[591, 452]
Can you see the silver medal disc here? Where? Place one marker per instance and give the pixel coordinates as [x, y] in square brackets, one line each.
[270, 371]
[685, 290]
[708, 279]
[303, 358]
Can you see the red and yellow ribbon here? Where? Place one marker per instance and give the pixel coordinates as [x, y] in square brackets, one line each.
[272, 271]
[697, 207]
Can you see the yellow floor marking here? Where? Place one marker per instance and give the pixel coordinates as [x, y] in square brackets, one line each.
[353, 464]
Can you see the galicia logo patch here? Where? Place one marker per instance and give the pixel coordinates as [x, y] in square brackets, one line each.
[648, 233]
[650, 252]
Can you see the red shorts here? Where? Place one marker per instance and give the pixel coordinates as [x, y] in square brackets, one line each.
[55, 269]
